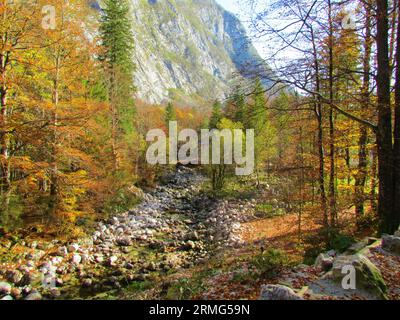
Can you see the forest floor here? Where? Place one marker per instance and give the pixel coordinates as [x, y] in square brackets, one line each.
[230, 275]
[182, 243]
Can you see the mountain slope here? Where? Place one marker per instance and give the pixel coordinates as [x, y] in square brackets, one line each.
[188, 48]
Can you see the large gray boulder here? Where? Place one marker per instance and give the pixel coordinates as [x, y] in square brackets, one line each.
[5, 288]
[124, 242]
[14, 276]
[359, 246]
[397, 233]
[73, 248]
[391, 244]
[34, 296]
[324, 262]
[278, 292]
[368, 276]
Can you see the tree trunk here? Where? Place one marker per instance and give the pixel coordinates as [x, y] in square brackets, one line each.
[392, 42]
[332, 194]
[320, 133]
[396, 155]
[374, 182]
[5, 180]
[362, 143]
[5, 172]
[384, 130]
[348, 164]
[114, 117]
[301, 161]
[321, 176]
[54, 143]
[361, 176]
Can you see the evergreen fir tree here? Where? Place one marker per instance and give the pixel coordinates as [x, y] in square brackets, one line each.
[170, 114]
[216, 115]
[118, 43]
[239, 102]
[116, 34]
[257, 113]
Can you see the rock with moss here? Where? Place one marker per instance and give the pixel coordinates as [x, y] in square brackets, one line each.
[14, 276]
[397, 233]
[368, 276]
[34, 296]
[358, 247]
[391, 244]
[324, 262]
[278, 292]
[5, 288]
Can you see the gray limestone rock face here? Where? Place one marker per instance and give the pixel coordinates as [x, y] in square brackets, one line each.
[190, 51]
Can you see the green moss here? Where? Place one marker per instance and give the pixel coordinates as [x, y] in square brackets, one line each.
[341, 242]
[187, 288]
[270, 263]
[242, 277]
[269, 211]
[139, 286]
[370, 278]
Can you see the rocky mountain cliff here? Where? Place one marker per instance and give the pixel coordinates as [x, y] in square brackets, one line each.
[188, 50]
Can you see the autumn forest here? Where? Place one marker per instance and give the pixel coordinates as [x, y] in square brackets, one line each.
[84, 215]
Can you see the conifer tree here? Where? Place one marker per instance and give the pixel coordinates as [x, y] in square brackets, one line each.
[117, 42]
[239, 102]
[257, 119]
[216, 115]
[116, 35]
[170, 114]
[257, 113]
